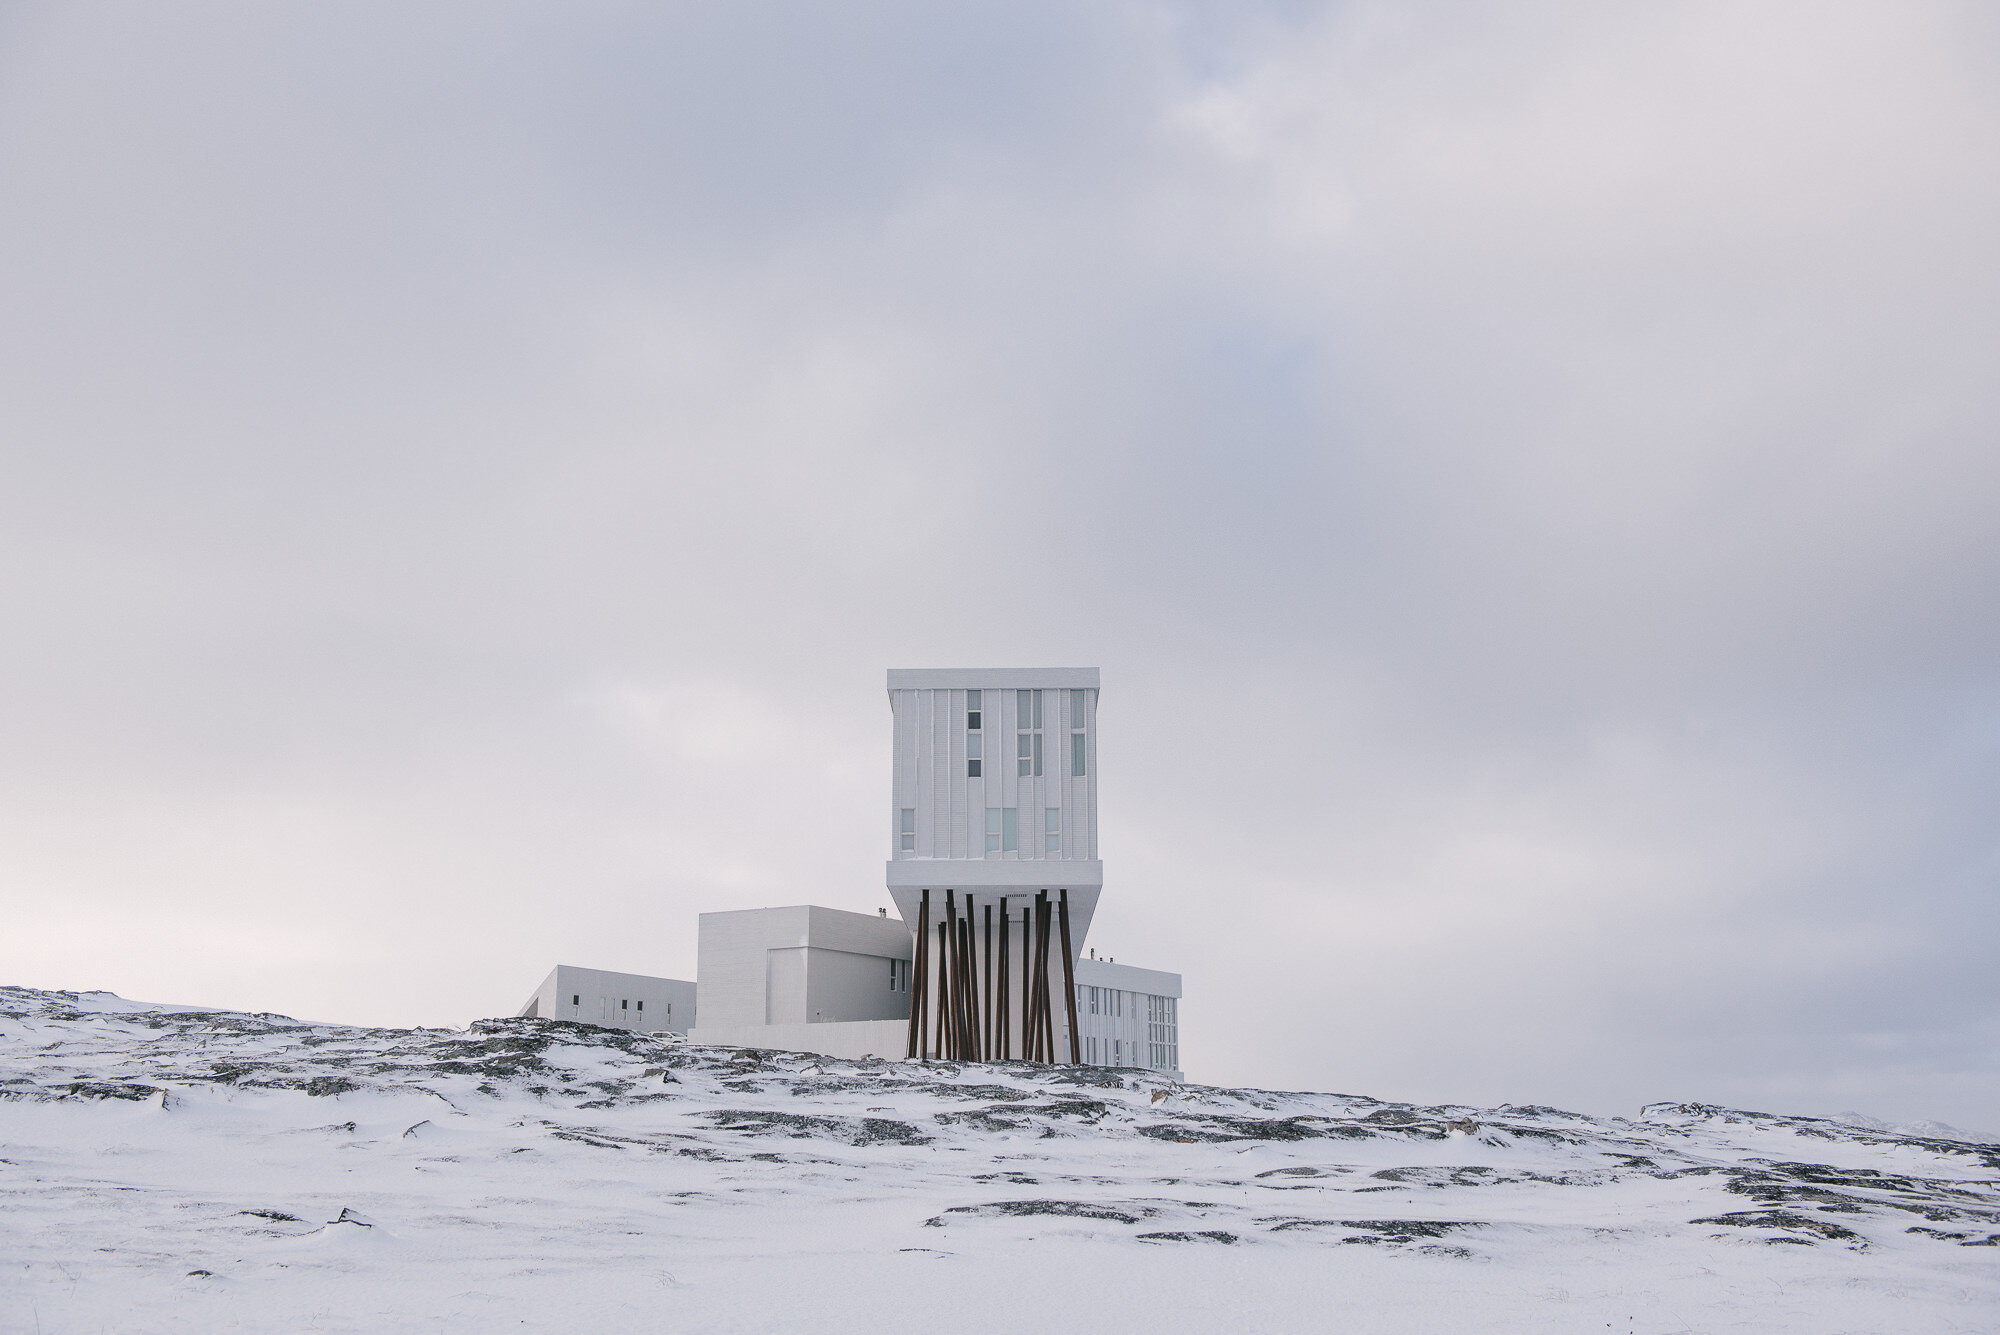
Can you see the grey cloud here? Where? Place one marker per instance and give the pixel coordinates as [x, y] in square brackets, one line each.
[465, 469]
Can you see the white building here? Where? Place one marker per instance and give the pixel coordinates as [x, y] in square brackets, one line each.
[1128, 1016]
[994, 872]
[806, 979]
[616, 1000]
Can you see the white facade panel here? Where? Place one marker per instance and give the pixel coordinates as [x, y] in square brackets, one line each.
[1128, 1016]
[615, 1000]
[784, 983]
[798, 965]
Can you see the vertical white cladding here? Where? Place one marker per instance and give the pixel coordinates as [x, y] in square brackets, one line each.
[1036, 725]
[1128, 1016]
[1053, 722]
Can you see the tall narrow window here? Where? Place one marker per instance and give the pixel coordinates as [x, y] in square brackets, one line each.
[1010, 829]
[1077, 752]
[974, 751]
[1079, 705]
[1052, 830]
[1029, 724]
[993, 829]
[972, 711]
[908, 830]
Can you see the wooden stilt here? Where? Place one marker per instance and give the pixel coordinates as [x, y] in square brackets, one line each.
[973, 1049]
[1034, 1027]
[965, 988]
[954, 1026]
[943, 1043]
[1027, 984]
[986, 944]
[916, 1043]
[1029, 924]
[1047, 947]
[1001, 997]
[1069, 980]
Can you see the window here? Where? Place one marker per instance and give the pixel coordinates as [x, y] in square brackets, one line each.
[972, 711]
[1052, 830]
[1076, 755]
[624, 1005]
[1028, 722]
[1010, 829]
[575, 1000]
[974, 752]
[1079, 704]
[641, 1006]
[908, 828]
[993, 829]
[1162, 1033]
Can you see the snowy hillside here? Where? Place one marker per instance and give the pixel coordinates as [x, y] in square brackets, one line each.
[171, 1169]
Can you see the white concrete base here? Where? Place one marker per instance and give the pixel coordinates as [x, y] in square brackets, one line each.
[836, 1038]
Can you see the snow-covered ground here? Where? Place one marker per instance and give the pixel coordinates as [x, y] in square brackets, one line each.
[163, 1168]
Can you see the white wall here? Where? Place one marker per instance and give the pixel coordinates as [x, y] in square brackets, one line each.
[797, 965]
[618, 1000]
[848, 985]
[1122, 1028]
[928, 708]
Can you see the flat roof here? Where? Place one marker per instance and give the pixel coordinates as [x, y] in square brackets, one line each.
[1127, 977]
[999, 679]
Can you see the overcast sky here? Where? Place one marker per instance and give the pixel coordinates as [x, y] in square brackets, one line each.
[1529, 474]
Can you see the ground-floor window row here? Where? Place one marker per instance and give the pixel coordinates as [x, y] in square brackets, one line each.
[1112, 1033]
[617, 1011]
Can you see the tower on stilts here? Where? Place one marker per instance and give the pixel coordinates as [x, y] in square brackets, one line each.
[993, 861]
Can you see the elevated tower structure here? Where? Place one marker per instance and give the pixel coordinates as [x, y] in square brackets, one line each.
[993, 854]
